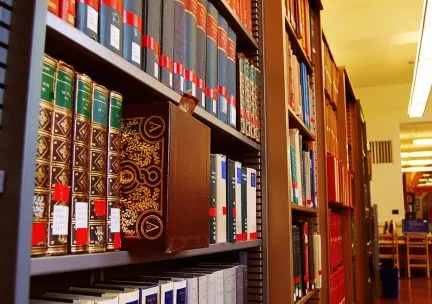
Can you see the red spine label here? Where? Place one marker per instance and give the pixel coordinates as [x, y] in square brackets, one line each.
[114, 4]
[231, 50]
[132, 19]
[191, 7]
[38, 234]
[212, 28]
[222, 39]
[67, 11]
[201, 16]
[93, 3]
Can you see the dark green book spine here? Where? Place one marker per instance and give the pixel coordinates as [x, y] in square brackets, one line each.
[231, 204]
[212, 210]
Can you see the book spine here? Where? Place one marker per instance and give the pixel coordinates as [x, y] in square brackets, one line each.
[237, 8]
[241, 93]
[80, 157]
[231, 78]
[111, 25]
[60, 157]
[222, 42]
[43, 152]
[87, 18]
[54, 6]
[211, 60]
[152, 37]
[231, 203]
[244, 11]
[97, 169]
[132, 31]
[190, 46]
[201, 47]
[238, 201]
[68, 11]
[221, 196]
[178, 51]
[167, 44]
[244, 205]
[248, 22]
[113, 171]
[251, 201]
[212, 210]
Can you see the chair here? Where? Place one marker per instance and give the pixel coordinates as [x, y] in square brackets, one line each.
[417, 252]
[388, 248]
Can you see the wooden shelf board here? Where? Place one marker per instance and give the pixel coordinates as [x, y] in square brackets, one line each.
[297, 208]
[296, 45]
[67, 43]
[69, 263]
[335, 205]
[307, 297]
[296, 122]
[330, 99]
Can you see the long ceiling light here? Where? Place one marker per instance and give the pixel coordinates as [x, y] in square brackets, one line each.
[422, 79]
[416, 154]
[417, 169]
[417, 162]
[423, 141]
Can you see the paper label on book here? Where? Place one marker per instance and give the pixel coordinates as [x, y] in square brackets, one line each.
[115, 220]
[156, 70]
[81, 215]
[115, 37]
[233, 115]
[223, 105]
[223, 169]
[214, 106]
[203, 99]
[136, 52]
[194, 89]
[92, 19]
[60, 220]
[171, 79]
[182, 84]
[253, 180]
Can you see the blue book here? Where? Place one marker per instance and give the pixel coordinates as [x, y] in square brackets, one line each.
[167, 44]
[190, 46]
[212, 60]
[178, 51]
[87, 18]
[303, 96]
[222, 43]
[201, 47]
[132, 31]
[231, 201]
[231, 78]
[148, 292]
[152, 37]
[111, 26]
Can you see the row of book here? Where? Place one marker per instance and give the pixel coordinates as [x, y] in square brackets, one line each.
[337, 286]
[307, 259]
[331, 82]
[331, 122]
[76, 194]
[299, 16]
[201, 283]
[232, 201]
[303, 168]
[301, 90]
[339, 182]
[243, 11]
[335, 226]
[187, 45]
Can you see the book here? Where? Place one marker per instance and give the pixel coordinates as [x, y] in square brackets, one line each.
[251, 203]
[202, 51]
[113, 171]
[152, 37]
[79, 207]
[231, 78]
[213, 193]
[98, 169]
[221, 196]
[41, 196]
[242, 90]
[317, 259]
[68, 296]
[166, 288]
[209, 279]
[67, 11]
[244, 205]
[231, 201]
[87, 18]
[125, 295]
[111, 25]
[179, 286]
[201, 285]
[212, 60]
[216, 283]
[148, 294]
[296, 175]
[167, 43]
[222, 44]
[229, 279]
[54, 6]
[241, 234]
[132, 31]
[60, 159]
[178, 51]
[190, 46]
[247, 97]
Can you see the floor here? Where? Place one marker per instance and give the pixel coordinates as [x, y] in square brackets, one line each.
[417, 290]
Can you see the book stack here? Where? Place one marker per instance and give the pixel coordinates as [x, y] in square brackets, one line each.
[332, 143]
[201, 283]
[307, 259]
[301, 90]
[337, 286]
[298, 14]
[335, 223]
[76, 194]
[302, 167]
[330, 75]
[243, 11]
[185, 44]
[232, 201]
[339, 184]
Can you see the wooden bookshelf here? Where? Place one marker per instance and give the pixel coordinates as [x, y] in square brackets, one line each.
[302, 209]
[308, 297]
[296, 122]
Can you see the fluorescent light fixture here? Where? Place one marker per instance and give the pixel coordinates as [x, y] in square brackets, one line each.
[423, 141]
[417, 169]
[417, 162]
[422, 78]
[416, 154]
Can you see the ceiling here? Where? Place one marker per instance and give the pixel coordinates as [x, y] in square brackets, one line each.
[410, 131]
[376, 40]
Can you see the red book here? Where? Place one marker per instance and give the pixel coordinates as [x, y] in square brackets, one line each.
[331, 178]
[53, 6]
[67, 11]
[249, 15]
[237, 8]
[244, 11]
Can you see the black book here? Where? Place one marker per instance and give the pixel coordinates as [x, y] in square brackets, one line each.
[87, 16]
[167, 45]
[212, 211]
[202, 48]
[231, 204]
[111, 26]
[178, 51]
[152, 10]
[132, 31]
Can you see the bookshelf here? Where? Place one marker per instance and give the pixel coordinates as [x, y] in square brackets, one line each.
[34, 31]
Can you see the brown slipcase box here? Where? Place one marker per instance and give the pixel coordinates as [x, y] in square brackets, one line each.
[165, 178]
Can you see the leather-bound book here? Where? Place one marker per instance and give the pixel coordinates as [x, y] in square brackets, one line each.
[231, 201]
[132, 31]
[165, 178]
[43, 153]
[111, 25]
[201, 48]
[152, 37]
[231, 78]
[68, 11]
[211, 60]
[212, 210]
[60, 158]
[222, 43]
[80, 163]
[167, 45]
[87, 19]
[54, 6]
[190, 46]
[113, 171]
[97, 169]
[241, 92]
[178, 51]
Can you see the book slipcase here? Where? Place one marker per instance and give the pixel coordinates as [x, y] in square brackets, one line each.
[50, 34]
